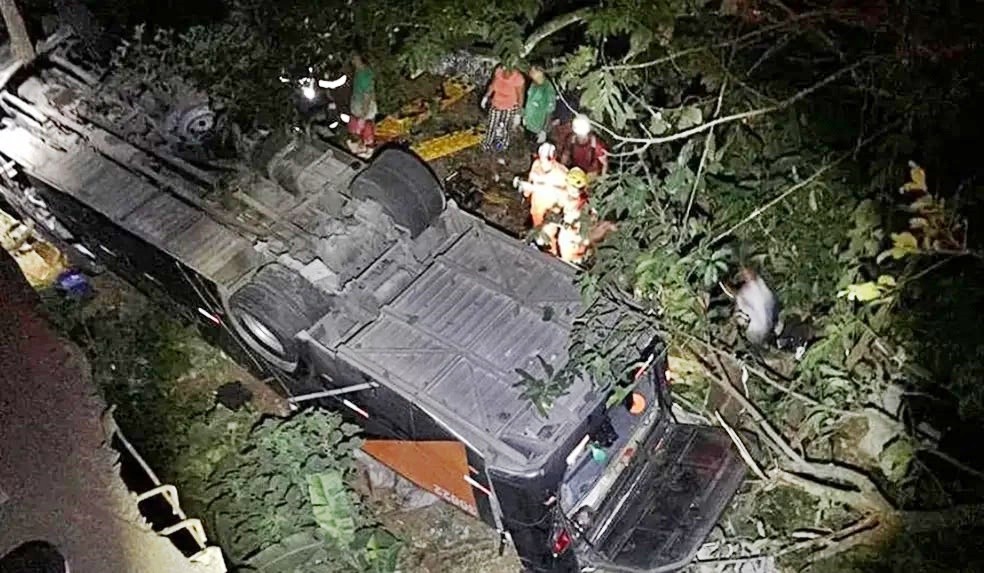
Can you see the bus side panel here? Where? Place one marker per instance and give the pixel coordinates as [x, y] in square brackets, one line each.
[529, 519]
[406, 439]
[135, 260]
[153, 271]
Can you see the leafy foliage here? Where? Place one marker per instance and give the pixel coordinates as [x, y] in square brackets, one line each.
[263, 494]
[272, 491]
[289, 484]
[332, 507]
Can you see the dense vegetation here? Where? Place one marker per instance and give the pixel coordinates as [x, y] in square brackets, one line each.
[272, 492]
[830, 145]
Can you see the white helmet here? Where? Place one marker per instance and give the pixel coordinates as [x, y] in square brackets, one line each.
[546, 151]
[581, 125]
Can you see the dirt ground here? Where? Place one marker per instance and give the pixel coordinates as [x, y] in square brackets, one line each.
[440, 538]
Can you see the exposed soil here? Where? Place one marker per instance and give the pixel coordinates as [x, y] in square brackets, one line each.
[440, 538]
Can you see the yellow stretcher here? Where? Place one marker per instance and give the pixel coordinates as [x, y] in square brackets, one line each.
[398, 125]
[447, 144]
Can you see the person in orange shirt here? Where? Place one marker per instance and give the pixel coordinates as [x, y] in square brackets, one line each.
[545, 185]
[504, 99]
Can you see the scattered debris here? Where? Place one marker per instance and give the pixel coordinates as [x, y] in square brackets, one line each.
[399, 125]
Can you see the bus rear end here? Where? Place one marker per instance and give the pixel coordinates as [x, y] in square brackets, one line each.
[641, 492]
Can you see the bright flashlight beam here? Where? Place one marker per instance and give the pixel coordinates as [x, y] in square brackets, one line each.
[333, 84]
[308, 92]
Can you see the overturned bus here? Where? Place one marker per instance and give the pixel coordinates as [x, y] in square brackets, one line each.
[358, 286]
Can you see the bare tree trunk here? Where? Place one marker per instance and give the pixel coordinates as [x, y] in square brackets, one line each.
[20, 41]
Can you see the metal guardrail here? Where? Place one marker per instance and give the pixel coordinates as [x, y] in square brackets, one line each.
[207, 554]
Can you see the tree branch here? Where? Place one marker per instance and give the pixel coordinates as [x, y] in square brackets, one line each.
[809, 180]
[789, 391]
[860, 526]
[865, 532]
[777, 440]
[20, 40]
[703, 161]
[552, 27]
[744, 115]
[742, 449]
[736, 41]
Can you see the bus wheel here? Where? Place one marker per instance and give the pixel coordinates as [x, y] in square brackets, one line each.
[269, 311]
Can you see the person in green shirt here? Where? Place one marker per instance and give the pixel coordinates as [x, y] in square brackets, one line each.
[362, 106]
[541, 99]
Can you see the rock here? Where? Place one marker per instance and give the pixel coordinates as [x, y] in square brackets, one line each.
[407, 495]
[895, 459]
[412, 497]
[380, 476]
[233, 395]
[881, 431]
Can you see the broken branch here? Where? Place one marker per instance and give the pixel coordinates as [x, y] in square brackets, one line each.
[552, 27]
[703, 161]
[742, 449]
[737, 41]
[744, 115]
[809, 180]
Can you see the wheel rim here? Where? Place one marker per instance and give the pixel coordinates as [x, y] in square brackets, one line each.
[262, 334]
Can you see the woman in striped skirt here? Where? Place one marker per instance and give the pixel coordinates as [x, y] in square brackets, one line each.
[504, 99]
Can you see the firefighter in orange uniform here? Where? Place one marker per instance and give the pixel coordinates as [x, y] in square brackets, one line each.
[569, 245]
[545, 187]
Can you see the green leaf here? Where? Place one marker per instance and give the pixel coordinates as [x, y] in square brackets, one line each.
[863, 292]
[332, 507]
[658, 125]
[886, 281]
[301, 550]
[903, 244]
[689, 117]
[381, 549]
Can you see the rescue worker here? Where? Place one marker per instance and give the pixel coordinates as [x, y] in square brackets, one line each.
[584, 149]
[362, 106]
[541, 99]
[572, 246]
[568, 243]
[577, 189]
[505, 95]
[571, 243]
[758, 307]
[568, 207]
[546, 184]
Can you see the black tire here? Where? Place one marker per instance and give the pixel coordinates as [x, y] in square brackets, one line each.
[272, 308]
[404, 186]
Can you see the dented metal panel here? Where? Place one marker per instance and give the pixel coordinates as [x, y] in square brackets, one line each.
[455, 338]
